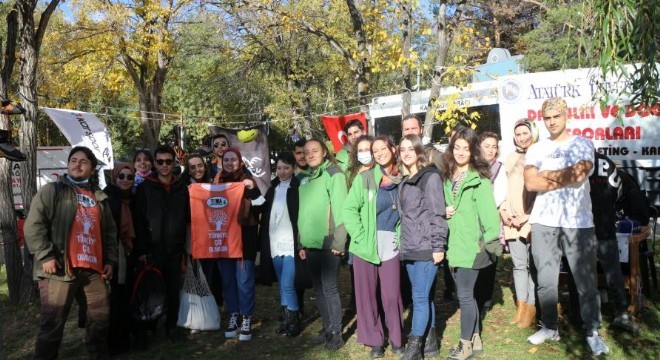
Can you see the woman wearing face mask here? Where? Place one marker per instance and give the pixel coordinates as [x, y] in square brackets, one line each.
[119, 197]
[361, 158]
[195, 170]
[278, 234]
[423, 239]
[372, 219]
[143, 162]
[323, 236]
[514, 211]
[238, 274]
[473, 226]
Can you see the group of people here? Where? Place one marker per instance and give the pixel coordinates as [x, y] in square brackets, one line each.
[400, 211]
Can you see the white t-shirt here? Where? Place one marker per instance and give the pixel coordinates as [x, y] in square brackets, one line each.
[570, 206]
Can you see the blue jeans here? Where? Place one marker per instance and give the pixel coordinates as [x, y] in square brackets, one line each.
[285, 269]
[422, 277]
[238, 285]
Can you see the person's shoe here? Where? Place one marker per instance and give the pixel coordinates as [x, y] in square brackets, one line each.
[463, 351]
[543, 335]
[377, 352]
[321, 338]
[397, 350]
[597, 345]
[477, 344]
[246, 329]
[293, 326]
[335, 342]
[7, 150]
[281, 328]
[413, 348]
[232, 328]
[519, 309]
[528, 316]
[625, 322]
[431, 344]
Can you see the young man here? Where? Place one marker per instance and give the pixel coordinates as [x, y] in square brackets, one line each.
[220, 144]
[72, 235]
[557, 169]
[299, 154]
[162, 215]
[353, 130]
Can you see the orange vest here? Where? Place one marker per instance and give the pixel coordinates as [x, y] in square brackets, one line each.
[85, 247]
[215, 231]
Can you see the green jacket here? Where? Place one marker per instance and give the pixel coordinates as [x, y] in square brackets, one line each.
[475, 219]
[320, 220]
[343, 158]
[48, 223]
[360, 215]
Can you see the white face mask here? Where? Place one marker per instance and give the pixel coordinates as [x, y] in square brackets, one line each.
[364, 158]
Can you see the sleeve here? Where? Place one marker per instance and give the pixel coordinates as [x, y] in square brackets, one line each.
[141, 223]
[37, 225]
[488, 216]
[351, 214]
[531, 157]
[338, 192]
[434, 196]
[500, 186]
[110, 238]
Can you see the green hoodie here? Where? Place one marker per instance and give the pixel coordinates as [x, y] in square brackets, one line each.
[320, 220]
[475, 210]
[360, 215]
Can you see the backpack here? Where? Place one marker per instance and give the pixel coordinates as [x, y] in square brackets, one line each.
[149, 299]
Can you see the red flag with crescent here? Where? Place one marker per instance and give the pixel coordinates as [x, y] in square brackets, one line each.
[334, 126]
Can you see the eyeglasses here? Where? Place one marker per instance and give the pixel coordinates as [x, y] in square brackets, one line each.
[164, 161]
[128, 177]
[215, 145]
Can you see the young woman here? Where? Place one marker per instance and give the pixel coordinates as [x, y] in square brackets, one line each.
[238, 274]
[373, 221]
[143, 163]
[468, 192]
[515, 211]
[278, 234]
[323, 235]
[119, 197]
[423, 239]
[361, 158]
[196, 170]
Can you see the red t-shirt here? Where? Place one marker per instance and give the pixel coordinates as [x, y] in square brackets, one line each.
[85, 247]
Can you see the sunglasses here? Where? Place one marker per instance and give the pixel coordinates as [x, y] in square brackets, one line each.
[164, 161]
[215, 145]
[128, 177]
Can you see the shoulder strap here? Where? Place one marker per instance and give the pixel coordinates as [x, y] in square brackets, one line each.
[497, 166]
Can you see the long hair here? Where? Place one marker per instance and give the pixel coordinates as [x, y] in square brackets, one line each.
[477, 162]
[418, 146]
[354, 165]
[390, 145]
[328, 154]
[489, 134]
[186, 173]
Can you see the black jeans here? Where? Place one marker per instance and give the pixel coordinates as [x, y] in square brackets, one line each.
[465, 281]
[323, 268]
[170, 267]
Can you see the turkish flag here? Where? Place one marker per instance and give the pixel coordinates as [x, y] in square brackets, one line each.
[334, 126]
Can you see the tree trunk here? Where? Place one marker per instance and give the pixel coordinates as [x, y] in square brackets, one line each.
[405, 69]
[443, 47]
[361, 67]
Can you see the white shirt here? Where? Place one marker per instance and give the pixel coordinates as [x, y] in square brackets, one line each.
[570, 206]
[280, 229]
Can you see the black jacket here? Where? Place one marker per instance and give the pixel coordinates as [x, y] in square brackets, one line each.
[267, 273]
[161, 217]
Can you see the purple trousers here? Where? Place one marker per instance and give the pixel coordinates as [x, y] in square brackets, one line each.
[369, 318]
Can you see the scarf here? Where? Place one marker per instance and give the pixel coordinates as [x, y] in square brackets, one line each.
[394, 178]
[235, 176]
[532, 129]
[126, 229]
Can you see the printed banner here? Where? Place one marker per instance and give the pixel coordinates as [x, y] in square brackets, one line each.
[636, 137]
[254, 149]
[334, 127]
[84, 129]
[215, 232]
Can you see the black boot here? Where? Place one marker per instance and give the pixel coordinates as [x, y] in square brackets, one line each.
[7, 150]
[281, 328]
[413, 348]
[335, 341]
[377, 352]
[293, 326]
[431, 344]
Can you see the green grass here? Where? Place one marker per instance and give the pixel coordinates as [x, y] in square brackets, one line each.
[501, 340]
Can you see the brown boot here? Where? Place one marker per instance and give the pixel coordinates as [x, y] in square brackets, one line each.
[519, 309]
[528, 317]
[461, 352]
[477, 344]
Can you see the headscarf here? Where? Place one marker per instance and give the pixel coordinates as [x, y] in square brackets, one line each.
[126, 229]
[532, 129]
[235, 176]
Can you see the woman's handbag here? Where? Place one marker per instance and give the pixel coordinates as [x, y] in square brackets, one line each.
[198, 309]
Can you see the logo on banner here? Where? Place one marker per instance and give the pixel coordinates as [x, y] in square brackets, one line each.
[255, 165]
[510, 90]
[86, 201]
[216, 202]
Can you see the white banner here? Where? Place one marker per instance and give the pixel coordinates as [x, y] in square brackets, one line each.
[84, 129]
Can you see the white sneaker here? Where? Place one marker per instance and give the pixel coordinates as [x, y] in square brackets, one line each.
[597, 344]
[232, 328]
[246, 329]
[542, 335]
